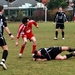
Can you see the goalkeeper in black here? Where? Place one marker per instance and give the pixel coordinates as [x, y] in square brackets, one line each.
[3, 25]
[59, 19]
[51, 53]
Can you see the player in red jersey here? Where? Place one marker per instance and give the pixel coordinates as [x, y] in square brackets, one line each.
[25, 31]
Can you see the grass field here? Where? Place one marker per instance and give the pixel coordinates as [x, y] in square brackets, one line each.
[44, 35]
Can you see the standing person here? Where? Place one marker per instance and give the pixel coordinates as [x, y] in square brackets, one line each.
[60, 18]
[3, 25]
[52, 53]
[25, 30]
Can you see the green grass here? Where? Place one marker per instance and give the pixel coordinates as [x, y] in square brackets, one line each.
[44, 35]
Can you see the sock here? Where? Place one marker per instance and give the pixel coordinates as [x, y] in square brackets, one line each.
[4, 56]
[56, 33]
[69, 55]
[33, 49]
[70, 50]
[22, 48]
[62, 34]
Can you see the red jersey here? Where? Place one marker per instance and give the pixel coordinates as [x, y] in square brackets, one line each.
[26, 30]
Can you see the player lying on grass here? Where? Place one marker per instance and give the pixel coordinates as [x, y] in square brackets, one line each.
[51, 53]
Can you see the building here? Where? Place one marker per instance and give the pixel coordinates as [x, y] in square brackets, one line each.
[19, 8]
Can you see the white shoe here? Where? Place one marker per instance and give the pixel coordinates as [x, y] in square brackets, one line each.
[73, 53]
[63, 38]
[20, 55]
[3, 65]
[55, 38]
[33, 55]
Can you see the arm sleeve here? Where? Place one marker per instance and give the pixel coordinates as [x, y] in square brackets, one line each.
[34, 23]
[19, 31]
[65, 18]
[55, 17]
[4, 22]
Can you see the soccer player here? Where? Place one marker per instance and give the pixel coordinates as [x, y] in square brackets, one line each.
[3, 25]
[51, 53]
[25, 30]
[59, 19]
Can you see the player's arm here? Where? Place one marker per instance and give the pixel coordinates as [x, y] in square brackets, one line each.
[35, 23]
[55, 17]
[6, 28]
[18, 36]
[65, 17]
[39, 59]
[17, 42]
[8, 31]
[20, 28]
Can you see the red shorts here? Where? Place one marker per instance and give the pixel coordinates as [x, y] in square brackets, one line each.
[28, 36]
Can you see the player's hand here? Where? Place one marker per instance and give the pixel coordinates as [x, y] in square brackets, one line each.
[12, 37]
[54, 24]
[66, 21]
[17, 43]
[37, 26]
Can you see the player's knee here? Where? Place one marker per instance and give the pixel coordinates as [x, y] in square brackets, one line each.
[63, 57]
[25, 41]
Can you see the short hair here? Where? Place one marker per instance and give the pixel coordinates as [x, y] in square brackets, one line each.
[24, 20]
[35, 52]
[1, 8]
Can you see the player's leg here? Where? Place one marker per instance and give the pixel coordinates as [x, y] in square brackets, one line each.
[60, 57]
[5, 52]
[66, 48]
[4, 56]
[33, 39]
[56, 32]
[62, 31]
[23, 46]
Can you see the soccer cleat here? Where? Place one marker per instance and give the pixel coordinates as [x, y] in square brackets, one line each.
[55, 38]
[73, 53]
[3, 65]
[20, 55]
[33, 55]
[63, 38]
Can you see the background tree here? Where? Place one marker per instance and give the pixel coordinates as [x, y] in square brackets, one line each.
[52, 4]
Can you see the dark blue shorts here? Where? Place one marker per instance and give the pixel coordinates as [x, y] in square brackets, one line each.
[2, 41]
[61, 26]
[55, 51]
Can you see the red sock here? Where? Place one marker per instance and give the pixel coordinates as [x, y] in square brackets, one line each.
[34, 48]
[22, 49]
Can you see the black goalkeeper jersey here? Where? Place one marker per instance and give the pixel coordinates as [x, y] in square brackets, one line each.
[60, 18]
[2, 24]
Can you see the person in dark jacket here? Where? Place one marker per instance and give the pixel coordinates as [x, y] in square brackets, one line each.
[60, 18]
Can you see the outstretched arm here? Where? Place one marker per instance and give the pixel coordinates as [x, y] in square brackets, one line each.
[35, 23]
[39, 59]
